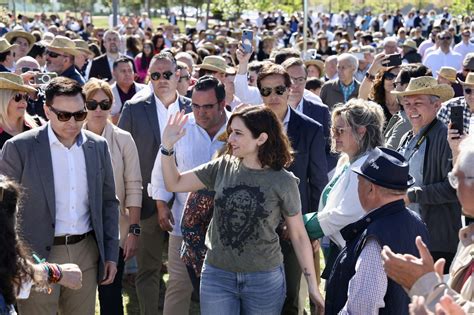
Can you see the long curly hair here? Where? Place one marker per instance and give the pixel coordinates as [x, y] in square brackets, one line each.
[14, 267]
[377, 93]
[276, 152]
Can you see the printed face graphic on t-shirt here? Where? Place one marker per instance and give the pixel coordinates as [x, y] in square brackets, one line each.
[242, 210]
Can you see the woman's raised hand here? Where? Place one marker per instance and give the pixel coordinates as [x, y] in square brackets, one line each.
[174, 130]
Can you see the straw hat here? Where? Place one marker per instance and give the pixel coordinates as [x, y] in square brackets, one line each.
[448, 73]
[311, 57]
[5, 45]
[309, 42]
[20, 33]
[11, 81]
[469, 79]
[82, 46]
[64, 44]
[216, 63]
[427, 86]
[409, 43]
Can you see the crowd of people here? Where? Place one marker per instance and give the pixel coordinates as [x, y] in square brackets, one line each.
[242, 151]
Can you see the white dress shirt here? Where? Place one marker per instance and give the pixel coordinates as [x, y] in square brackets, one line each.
[70, 186]
[194, 149]
[438, 59]
[164, 113]
[464, 49]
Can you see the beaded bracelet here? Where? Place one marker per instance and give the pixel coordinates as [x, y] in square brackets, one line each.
[55, 273]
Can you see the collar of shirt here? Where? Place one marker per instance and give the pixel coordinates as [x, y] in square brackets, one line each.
[299, 107]
[53, 139]
[159, 103]
[286, 119]
[222, 130]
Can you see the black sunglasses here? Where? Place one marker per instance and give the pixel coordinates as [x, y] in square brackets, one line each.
[279, 90]
[445, 38]
[26, 69]
[104, 105]
[52, 54]
[184, 77]
[468, 91]
[389, 76]
[155, 76]
[19, 96]
[66, 116]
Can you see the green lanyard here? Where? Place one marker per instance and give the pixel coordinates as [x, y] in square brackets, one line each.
[331, 185]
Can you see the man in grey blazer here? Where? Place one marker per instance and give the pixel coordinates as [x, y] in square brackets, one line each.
[69, 211]
[143, 117]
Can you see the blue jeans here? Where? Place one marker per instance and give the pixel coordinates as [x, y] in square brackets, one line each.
[252, 293]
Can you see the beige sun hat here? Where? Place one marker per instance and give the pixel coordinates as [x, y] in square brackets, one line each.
[216, 63]
[469, 79]
[82, 46]
[64, 44]
[427, 86]
[11, 81]
[409, 43]
[449, 73]
[20, 33]
[5, 45]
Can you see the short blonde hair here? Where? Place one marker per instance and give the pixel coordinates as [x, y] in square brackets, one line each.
[94, 85]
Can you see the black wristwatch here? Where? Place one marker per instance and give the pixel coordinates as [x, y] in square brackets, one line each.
[135, 229]
[165, 151]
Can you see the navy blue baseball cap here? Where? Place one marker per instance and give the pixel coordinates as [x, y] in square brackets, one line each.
[387, 168]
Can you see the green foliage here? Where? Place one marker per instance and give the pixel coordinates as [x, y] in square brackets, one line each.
[462, 7]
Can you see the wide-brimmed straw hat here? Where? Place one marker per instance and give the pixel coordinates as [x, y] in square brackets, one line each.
[6, 46]
[216, 63]
[64, 44]
[20, 33]
[311, 57]
[427, 86]
[449, 73]
[469, 79]
[11, 81]
[409, 43]
[82, 46]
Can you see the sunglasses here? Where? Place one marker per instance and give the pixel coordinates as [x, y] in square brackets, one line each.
[445, 38]
[104, 105]
[155, 76]
[185, 77]
[66, 116]
[338, 131]
[19, 96]
[389, 76]
[26, 69]
[279, 90]
[52, 54]
[468, 91]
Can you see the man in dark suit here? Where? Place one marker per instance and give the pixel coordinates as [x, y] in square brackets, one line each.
[310, 165]
[142, 118]
[69, 211]
[299, 102]
[101, 67]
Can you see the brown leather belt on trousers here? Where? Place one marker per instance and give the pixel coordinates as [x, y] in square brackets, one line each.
[70, 239]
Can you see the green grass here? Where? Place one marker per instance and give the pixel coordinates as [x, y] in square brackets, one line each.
[100, 21]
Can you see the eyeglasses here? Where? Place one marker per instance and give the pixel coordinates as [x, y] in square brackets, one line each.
[299, 80]
[66, 116]
[52, 54]
[104, 105]
[26, 69]
[445, 38]
[267, 91]
[185, 77]
[338, 131]
[205, 107]
[389, 76]
[468, 91]
[155, 76]
[454, 179]
[19, 96]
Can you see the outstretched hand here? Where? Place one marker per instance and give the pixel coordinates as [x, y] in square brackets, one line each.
[174, 130]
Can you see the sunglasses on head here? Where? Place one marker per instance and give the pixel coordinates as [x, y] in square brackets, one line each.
[468, 91]
[155, 76]
[19, 96]
[389, 76]
[66, 116]
[104, 105]
[26, 69]
[279, 90]
[52, 54]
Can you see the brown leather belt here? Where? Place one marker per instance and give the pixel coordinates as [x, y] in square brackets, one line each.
[70, 239]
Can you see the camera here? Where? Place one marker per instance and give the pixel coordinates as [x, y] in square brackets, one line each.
[44, 78]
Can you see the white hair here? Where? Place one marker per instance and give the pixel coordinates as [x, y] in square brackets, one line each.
[390, 39]
[351, 58]
[465, 160]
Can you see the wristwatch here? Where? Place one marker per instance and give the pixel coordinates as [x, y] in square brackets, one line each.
[165, 151]
[135, 229]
